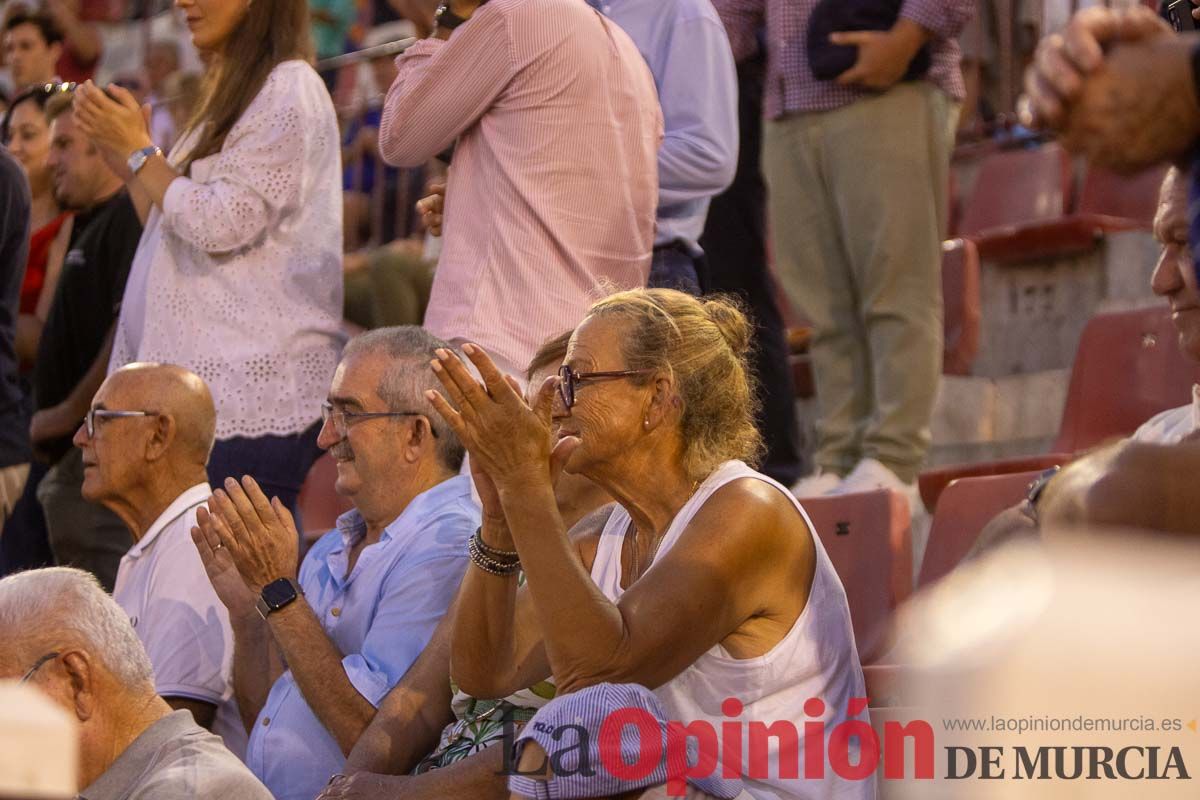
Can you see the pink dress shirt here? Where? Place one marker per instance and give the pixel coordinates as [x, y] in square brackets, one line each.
[551, 198]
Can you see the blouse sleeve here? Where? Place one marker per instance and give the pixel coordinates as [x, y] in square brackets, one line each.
[256, 178]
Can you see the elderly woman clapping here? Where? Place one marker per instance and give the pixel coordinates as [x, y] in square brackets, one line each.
[704, 582]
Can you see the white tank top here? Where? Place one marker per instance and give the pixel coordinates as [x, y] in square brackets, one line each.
[817, 658]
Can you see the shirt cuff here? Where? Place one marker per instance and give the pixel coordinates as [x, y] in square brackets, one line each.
[371, 684]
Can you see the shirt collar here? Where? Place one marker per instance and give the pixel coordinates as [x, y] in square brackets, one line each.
[192, 497]
[132, 765]
[353, 527]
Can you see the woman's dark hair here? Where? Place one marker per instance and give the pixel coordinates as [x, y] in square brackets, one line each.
[38, 94]
[272, 31]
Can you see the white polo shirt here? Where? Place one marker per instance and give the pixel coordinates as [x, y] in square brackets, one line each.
[184, 627]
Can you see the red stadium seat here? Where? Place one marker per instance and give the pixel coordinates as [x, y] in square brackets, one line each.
[319, 504]
[869, 540]
[1128, 368]
[965, 507]
[1127, 197]
[933, 482]
[1015, 187]
[960, 294]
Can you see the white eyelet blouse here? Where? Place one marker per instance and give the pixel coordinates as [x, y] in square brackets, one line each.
[239, 276]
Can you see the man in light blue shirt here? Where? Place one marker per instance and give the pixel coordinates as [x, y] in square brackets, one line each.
[313, 659]
[688, 52]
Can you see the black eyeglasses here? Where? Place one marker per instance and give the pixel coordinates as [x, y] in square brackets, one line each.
[38, 665]
[89, 419]
[569, 380]
[343, 419]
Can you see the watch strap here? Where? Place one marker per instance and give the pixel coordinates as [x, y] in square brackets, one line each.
[138, 158]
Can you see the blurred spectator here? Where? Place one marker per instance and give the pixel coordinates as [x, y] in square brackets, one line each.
[33, 45]
[14, 244]
[70, 640]
[26, 134]
[526, 88]
[326, 645]
[39, 745]
[82, 46]
[688, 53]
[1118, 87]
[162, 62]
[181, 93]
[148, 467]
[858, 171]
[73, 355]
[388, 285]
[238, 275]
[997, 44]
[331, 23]
[379, 199]
[735, 252]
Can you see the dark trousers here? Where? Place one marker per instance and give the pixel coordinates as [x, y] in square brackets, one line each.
[734, 244]
[672, 266]
[25, 542]
[279, 464]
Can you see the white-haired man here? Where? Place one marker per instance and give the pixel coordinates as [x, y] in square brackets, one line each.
[145, 445]
[315, 652]
[65, 636]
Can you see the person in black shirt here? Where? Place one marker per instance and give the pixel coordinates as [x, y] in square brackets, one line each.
[14, 243]
[76, 343]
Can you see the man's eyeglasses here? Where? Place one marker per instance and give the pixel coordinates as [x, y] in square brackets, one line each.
[343, 419]
[93, 414]
[569, 380]
[38, 665]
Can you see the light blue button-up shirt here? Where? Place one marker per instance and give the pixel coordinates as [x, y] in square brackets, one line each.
[688, 51]
[381, 616]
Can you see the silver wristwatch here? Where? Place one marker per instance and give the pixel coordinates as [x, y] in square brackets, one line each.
[139, 157]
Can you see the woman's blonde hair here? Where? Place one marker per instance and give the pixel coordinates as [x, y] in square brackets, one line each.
[704, 344]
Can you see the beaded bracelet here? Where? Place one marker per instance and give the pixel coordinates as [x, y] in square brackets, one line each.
[489, 564]
[499, 555]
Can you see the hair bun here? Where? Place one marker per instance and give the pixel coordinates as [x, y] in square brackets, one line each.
[735, 328]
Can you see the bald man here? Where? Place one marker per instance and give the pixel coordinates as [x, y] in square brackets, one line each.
[145, 444]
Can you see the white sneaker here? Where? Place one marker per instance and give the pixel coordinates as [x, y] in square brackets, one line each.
[871, 474]
[816, 484]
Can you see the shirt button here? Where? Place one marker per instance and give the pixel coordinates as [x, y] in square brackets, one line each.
[266, 721]
[337, 612]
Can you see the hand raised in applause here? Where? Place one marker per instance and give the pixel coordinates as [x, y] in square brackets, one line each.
[259, 534]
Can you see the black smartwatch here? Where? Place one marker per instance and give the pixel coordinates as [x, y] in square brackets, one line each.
[278, 594]
[445, 18]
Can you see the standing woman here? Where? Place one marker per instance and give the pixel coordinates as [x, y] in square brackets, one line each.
[238, 273]
[26, 134]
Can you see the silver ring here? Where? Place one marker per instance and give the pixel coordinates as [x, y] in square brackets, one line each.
[218, 547]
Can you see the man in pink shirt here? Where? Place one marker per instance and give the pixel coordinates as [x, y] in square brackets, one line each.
[551, 199]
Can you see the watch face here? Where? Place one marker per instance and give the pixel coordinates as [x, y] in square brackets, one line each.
[278, 593]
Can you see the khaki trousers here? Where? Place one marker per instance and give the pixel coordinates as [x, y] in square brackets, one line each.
[858, 205]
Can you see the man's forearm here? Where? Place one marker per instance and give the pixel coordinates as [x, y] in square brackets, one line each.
[256, 665]
[316, 666]
[80, 398]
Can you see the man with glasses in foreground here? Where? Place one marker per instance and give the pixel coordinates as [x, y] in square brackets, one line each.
[144, 444]
[316, 650]
[64, 636]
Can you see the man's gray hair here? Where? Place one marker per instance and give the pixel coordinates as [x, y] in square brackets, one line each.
[60, 606]
[405, 381]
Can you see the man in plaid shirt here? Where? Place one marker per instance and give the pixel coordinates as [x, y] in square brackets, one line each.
[857, 172]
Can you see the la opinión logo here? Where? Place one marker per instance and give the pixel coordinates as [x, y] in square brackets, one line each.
[851, 750]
